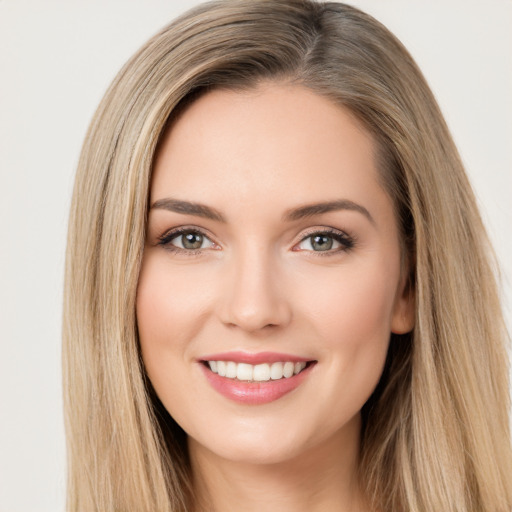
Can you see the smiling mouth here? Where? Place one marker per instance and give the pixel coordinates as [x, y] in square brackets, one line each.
[271, 377]
[263, 372]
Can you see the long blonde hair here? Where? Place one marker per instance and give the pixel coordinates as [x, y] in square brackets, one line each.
[436, 430]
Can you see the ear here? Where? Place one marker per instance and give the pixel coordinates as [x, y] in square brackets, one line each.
[404, 308]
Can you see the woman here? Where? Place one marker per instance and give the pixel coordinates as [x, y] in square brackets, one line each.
[279, 291]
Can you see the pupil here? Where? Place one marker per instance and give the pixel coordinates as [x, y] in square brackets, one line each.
[321, 243]
[192, 240]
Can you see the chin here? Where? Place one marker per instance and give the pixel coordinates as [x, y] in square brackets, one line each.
[256, 442]
[254, 451]
[271, 443]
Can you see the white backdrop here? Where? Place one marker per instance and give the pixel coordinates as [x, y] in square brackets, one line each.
[56, 59]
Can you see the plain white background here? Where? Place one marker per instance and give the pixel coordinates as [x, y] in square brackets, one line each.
[56, 60]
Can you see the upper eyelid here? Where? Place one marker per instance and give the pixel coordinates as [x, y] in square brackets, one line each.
[324, 230]
[175, 232]
[170, 233]
[346, 240]
[165, 240]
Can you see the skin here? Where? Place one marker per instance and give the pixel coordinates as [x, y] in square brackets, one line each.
[259, 284]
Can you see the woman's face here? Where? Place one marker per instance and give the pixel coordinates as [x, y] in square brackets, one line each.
[272, 256]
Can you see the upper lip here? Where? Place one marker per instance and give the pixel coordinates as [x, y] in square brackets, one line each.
[255, 358]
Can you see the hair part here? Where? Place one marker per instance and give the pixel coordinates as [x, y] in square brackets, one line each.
[436, 430]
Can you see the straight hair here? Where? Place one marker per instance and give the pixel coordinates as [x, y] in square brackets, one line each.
[436, 433]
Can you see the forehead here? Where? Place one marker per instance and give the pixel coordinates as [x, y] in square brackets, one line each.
[272, 142]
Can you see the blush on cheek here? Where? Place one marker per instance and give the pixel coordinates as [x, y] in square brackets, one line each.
[357, 309]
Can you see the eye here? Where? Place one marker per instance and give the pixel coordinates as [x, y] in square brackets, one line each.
[326, 241]
[186, 240]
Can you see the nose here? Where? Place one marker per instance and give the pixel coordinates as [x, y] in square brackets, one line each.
[253, 296]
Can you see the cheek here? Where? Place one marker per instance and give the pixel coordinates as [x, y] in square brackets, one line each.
[171, 304]
[351, 316]
[168, 314]
[353, 307]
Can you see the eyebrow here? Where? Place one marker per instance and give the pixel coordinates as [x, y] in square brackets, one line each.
[310, 210]
[188, 208]
[294, 214]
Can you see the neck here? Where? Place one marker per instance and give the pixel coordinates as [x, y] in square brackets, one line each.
[323, 478]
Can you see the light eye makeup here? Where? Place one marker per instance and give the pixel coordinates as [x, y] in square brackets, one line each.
[192, 241]
[186, 240]
[325, 242]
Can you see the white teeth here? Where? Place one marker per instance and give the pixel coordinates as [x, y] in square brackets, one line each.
[259, 373]
[298, 368]
[288, 369]
[276, 371]
[230, 370]
[244, 371]
[221, 368]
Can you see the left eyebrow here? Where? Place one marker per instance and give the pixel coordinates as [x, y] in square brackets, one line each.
[310, 210]
[188, 208]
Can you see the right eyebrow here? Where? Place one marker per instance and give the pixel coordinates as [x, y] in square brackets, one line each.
[188, 208]
[311, 210]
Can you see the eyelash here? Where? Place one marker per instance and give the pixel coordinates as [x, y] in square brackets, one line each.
[346, 241]
[165, 240]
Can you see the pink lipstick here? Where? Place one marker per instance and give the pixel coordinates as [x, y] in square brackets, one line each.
[255, 378]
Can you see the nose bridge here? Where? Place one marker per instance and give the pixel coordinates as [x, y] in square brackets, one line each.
[254, 297]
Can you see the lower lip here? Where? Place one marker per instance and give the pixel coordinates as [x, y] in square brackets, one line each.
[255, 393]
